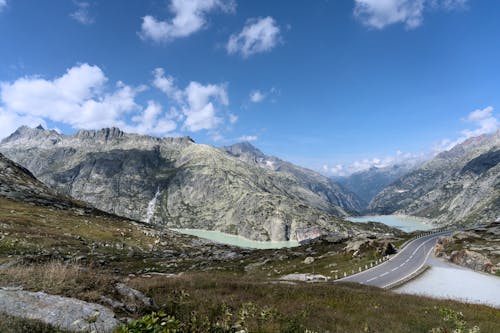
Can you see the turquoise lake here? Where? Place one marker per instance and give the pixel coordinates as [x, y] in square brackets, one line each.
[405, 223]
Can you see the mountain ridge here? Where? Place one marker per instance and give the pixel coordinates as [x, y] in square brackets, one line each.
[199, 186]
[460, 185]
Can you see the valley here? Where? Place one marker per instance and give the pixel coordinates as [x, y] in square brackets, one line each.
[43, 229]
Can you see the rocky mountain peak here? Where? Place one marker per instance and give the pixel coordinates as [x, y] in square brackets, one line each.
[104, 133]
[24, 135]
[244, 147]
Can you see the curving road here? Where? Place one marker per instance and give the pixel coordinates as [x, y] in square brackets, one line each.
[406, 262]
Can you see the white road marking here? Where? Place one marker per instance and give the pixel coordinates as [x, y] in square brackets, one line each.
[392, 270]
[384, 274]
[425, 259]
[402, 265]
[371, 279]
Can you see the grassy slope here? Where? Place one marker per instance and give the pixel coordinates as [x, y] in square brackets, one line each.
[61, 234]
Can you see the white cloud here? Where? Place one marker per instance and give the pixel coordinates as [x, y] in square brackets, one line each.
[200, 110]
[3, 4]
[81, 99]
[399, 158]
[258, 35]
[483, 121]
[248, 138]
[82, 13]
[166, 84]
[152, 120]
[233, 118]
[10, 121]
[198, 103]
[257, 96]
[189, 17]
[381, 13]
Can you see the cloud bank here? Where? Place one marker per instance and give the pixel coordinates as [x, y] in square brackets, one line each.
[482, 121]
[83, 98]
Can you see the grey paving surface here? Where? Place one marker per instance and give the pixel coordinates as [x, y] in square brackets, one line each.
[412, 257]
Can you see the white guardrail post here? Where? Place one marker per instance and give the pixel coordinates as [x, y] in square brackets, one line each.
[387, 257]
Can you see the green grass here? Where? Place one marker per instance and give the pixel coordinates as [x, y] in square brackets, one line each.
[317, 307]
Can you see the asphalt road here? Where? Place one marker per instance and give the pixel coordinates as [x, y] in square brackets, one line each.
[410, 259]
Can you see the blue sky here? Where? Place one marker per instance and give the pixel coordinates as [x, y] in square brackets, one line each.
[336, 86]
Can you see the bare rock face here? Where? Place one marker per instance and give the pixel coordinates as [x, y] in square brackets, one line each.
[177, 183]
[17, 183]
[61, 312]
[477, 248]
[325, 188]
[472, 260]
[459, 186]
[368, 183]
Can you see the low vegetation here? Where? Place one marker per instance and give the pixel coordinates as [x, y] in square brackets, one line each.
[202, 287]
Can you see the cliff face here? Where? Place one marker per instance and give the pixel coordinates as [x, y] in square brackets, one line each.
[459, 186]
[175, 182]
[325, 188]
[17, 183]
[368, 183]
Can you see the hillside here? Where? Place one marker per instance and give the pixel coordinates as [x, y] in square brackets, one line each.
[178, 183]
[324, 187]
[461, 185]
[367, 184]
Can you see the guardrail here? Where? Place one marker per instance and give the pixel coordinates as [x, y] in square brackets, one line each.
[383, 259]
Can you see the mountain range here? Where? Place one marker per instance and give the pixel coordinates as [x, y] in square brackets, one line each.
[178, 183]
[366, 184]
[458, 186]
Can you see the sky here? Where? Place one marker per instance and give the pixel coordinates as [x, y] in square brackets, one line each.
[336, 86]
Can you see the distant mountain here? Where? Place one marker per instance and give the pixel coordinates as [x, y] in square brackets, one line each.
[178, 183]
[326, 188]
[367, 184]
[461, 185]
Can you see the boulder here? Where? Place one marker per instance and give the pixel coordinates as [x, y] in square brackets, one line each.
[473, 260]
[308, 260]
[305, 277]
[61, 312]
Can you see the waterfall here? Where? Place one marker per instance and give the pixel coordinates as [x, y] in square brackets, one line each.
[151, 206]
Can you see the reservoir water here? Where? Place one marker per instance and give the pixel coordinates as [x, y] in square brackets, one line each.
[405, 223]
[229, 239]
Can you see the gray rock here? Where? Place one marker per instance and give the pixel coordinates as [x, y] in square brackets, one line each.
[64, 313]
[305, 277]
[133, 295]
[308, 260]
[174, 182]
[472, 260]
[458, 186]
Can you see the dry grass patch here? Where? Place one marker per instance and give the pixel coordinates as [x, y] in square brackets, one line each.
[59, 278]
[317, 307]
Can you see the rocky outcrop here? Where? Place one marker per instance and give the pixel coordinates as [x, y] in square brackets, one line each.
[305, 277]
[472, 260]
[358, 246]
[325, 188]
[459, 186]
[177, 183]
[61, 312]
[17, 183]
[476, 248]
